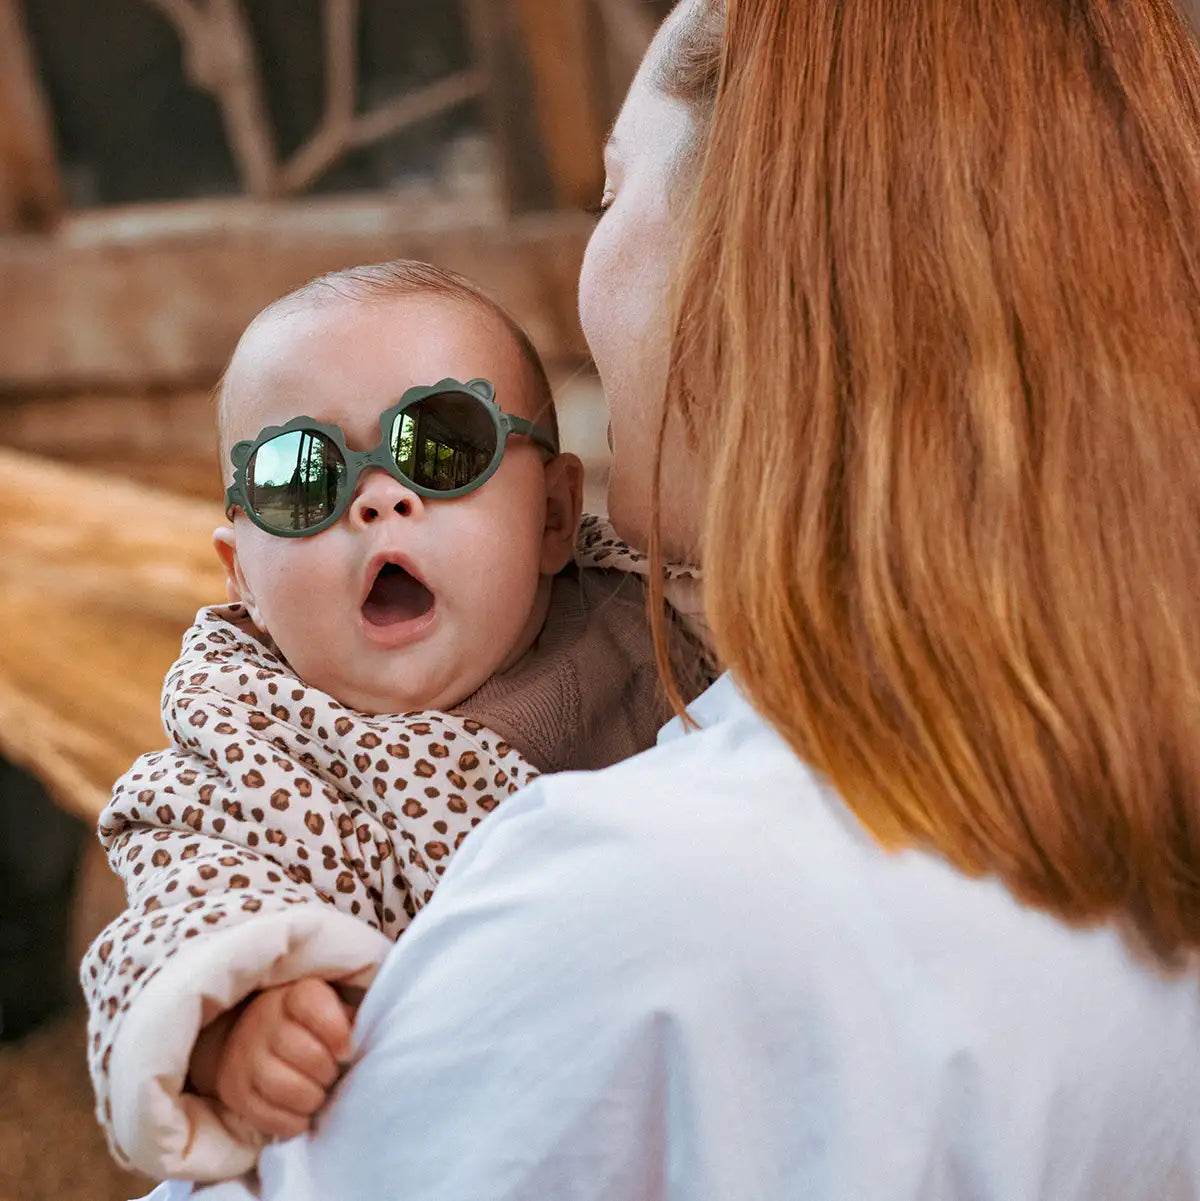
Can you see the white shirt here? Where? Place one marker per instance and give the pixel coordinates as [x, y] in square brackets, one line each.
[693, 977]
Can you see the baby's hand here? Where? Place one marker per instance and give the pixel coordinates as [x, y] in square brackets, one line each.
[282, 1056]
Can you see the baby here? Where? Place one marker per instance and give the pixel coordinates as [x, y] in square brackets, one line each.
[402, 541]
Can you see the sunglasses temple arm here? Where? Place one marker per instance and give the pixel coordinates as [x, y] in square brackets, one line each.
[519, 425]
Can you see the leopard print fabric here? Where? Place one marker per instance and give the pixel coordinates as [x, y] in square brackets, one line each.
[272, 796]
[599, 546]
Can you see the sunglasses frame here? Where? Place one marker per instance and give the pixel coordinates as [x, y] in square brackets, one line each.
[380, 455]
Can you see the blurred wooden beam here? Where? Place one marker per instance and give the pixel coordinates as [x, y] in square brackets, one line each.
[630, 26]
[508, 104]
[98, 580]
[156, 296]
[31, 194]
[562, 49]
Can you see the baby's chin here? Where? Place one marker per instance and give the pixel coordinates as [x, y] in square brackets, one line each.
[381, 701]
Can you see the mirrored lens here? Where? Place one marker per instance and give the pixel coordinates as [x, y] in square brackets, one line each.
[445, 442]
[293, 481]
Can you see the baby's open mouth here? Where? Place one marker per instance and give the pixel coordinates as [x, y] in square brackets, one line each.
[396, 596]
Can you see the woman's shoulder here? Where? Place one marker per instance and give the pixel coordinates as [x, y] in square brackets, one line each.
[708, 916]
[721, 853]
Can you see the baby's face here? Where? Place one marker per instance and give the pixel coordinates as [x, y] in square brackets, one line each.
[484, 558]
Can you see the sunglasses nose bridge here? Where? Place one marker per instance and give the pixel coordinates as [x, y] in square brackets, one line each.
[378, 491]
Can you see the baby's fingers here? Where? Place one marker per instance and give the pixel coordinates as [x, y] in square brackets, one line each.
[271, 1120]
[280, 1086]
[298, 1047]
[316, 1006]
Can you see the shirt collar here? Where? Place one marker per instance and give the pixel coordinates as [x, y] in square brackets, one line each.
[719, 703]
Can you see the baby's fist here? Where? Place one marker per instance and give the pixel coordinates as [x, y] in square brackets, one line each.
[283, 1055]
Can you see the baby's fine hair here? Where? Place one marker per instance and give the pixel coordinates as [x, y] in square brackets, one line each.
[396, 280]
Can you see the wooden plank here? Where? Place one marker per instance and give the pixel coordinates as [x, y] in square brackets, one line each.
[31, 195]
[156, 296]
[509, 106]
[562, 43]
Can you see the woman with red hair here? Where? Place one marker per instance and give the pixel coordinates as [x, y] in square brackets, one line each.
[897, 304]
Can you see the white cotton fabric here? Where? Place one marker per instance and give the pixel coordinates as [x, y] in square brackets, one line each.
[692, 977]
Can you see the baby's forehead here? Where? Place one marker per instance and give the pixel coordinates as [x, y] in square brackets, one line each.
[345, 360]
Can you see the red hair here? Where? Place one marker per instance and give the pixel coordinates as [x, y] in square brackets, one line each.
[945, 282]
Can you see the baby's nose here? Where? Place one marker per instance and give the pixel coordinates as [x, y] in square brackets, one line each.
[378, 495]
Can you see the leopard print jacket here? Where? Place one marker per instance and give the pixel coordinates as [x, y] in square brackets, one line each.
[281, 835]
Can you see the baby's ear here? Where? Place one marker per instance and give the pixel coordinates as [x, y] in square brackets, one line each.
[237, 591]
[564, 504]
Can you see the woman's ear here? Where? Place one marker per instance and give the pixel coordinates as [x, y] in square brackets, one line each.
[564, 505]
[237, 591]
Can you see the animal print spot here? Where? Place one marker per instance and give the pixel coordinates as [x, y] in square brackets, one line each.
[280, 798]
[314, 821]
[468, 761]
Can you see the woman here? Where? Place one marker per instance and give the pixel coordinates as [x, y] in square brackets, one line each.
[913, 913]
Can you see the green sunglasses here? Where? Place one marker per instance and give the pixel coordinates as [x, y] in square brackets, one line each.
[442, 442]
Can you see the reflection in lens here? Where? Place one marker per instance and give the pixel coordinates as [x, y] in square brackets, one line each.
[292, 482]
[445, 442]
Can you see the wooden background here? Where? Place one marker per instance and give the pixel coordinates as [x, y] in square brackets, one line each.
[167, 168]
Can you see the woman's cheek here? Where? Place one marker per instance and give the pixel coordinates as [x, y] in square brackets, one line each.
[592, 309]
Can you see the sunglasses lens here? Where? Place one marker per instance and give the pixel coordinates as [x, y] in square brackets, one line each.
[293, 481]
[445, 442]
